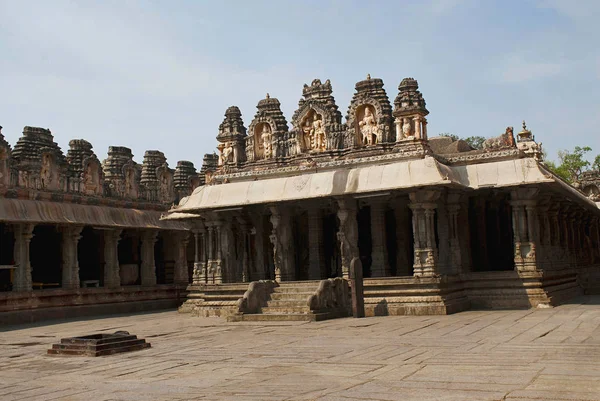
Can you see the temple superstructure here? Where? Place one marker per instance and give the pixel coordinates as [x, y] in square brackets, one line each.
[433, 225]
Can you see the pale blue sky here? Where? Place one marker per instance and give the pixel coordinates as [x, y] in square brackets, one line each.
[160, 74]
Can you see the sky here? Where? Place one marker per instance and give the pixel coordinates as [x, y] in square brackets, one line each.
[160, 74]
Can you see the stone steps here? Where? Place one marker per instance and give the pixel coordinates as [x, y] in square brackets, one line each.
[281, 317]
[295, 308]
[290, 296]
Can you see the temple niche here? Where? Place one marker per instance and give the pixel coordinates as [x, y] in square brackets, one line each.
[369, 118]
[410, 112]
[367, 126]
[317, 123]
[268, 128]
[231, 137]
[122, 174]
[313, 133]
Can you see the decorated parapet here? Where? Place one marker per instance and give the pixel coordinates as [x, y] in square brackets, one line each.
[410, 112]
[232, 138]
[37, 163]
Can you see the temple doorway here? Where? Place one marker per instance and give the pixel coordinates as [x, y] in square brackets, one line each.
[90, 256]
[7, 246]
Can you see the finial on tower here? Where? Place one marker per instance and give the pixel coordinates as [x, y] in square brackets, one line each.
[368, 76]
[268, 97]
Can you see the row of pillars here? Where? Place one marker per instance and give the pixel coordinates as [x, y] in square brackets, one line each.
[70, 263]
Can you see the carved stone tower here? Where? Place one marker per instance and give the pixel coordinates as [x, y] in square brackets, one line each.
[232, 136]
[369, 118]
[185, 179]
[121, 173]
[317, 124]
[85, 171]
[410, 112]
[209, 166]
[39, 161]
[268, 132]
[156, 181]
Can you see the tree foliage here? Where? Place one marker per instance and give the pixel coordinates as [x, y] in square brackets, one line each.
[573, 163]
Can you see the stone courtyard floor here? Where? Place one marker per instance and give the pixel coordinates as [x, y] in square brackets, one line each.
[547, 354]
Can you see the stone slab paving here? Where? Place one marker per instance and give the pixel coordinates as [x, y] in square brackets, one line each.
[546, 354]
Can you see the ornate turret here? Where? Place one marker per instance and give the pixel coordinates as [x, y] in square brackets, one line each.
[39, 161]
[209, 165]
[185, 179]
[369, 118]
[526, 143]
[589, 184]
[317, 124]
[85, 172]
[232, 134]
[410, 112]
[5, 152]
[156, 183]
[121, 173]
[268, 131]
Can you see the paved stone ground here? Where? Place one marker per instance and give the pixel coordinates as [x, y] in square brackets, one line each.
[548, 354]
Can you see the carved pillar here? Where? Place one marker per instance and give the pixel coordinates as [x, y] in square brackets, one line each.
[148, 270]
[23, 235]
[426, 253]
[417, 123]
[217, 267]
[424, 128]
[401, 217]
[70, 262]
[180, 275]
[347, 234]
[316, 258]
[245, 229]
[380, 266]
[525, 228]
[112, 279]
[281, 239]
[455, 260]
[398, 124]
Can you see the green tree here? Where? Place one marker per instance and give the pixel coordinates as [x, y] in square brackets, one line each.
[572, 164]
[476, 142]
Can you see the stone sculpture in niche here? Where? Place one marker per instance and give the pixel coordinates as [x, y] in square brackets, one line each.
[226, 153]
[368, 128]
[91, 180]
[46, 172]
[314, 138]
[266, 138]
[407, 129]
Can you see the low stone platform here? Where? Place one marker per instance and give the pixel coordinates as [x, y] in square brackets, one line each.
[99, 344]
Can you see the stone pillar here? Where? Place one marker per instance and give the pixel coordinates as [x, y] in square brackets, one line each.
[70, 262]
[281, 238]
[259, 248]
[525, 228]
[417, 123]
[455, 260]
[399, 134]
[23, 235]
[426, 253]
[424, 128]
[245, 229]
[402, 235]
[148, 270]
[348, 234]
[180, 275]
[315, 244]
[217, 266]
[112, 278]
[380, 266]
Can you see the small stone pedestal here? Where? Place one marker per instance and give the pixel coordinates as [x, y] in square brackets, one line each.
[99, 344]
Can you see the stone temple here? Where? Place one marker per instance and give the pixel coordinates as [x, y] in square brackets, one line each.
[275, 225]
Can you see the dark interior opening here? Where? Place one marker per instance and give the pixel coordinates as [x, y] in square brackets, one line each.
[90, 255]
[164, 268]
[331, 246]
[7, 246]
[46, 257]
